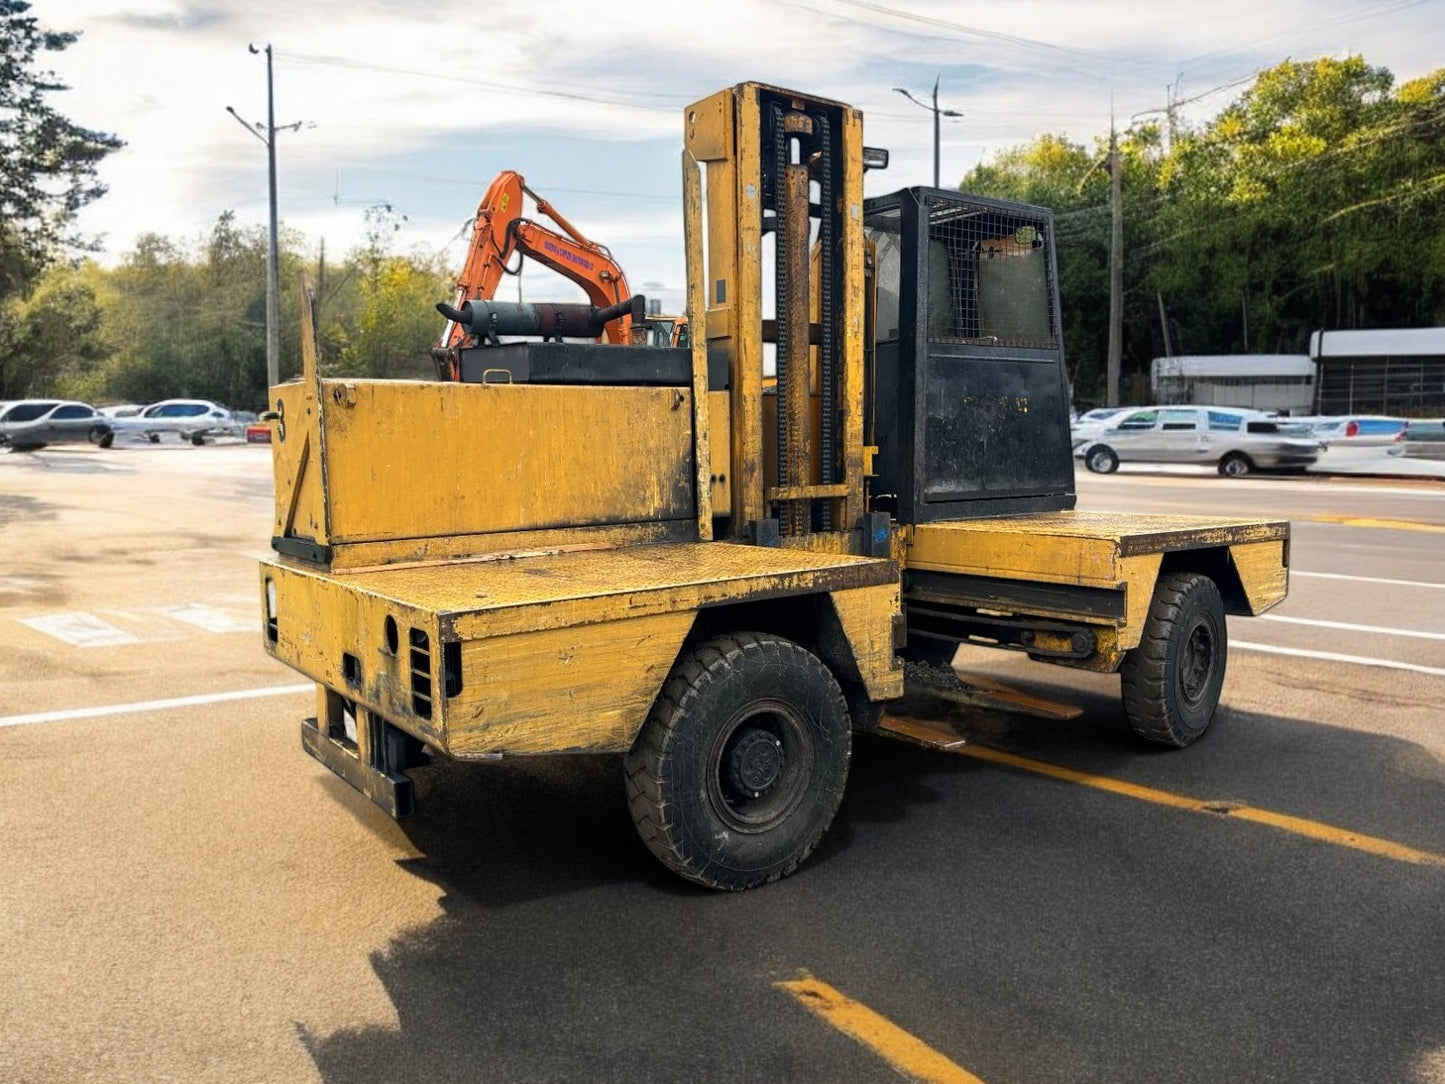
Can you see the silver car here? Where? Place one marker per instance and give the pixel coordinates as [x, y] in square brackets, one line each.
[190, 419]
[1238, 441]
[34, 423]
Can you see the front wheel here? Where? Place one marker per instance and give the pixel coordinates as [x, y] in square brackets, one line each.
[198, 439]
[1235, 465]
[1101, 459]
[742, 762]
[1172, 680]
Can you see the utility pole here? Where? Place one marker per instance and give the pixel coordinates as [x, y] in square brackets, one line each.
[273, 259]
[937, 113]
[1116, 267]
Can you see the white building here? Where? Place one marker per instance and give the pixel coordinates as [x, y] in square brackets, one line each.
[1283, 382]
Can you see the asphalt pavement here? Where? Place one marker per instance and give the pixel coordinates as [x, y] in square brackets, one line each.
[188, 896]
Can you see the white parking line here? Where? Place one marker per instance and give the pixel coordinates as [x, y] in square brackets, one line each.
[153, 705]
[1365, 579]
[1346, 626]
[79, 629]
[1333, 656]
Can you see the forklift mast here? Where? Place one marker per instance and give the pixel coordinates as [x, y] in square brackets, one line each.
[764, 167]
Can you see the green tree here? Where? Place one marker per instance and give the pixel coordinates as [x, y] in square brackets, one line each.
[47, 162]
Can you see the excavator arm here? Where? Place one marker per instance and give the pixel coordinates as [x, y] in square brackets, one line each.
[500, 232]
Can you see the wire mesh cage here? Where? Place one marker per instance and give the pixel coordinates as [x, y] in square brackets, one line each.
[990, 279]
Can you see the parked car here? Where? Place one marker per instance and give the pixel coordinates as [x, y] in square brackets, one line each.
[34, 423]
[1359, 431]
[1238, 441]
[190, 419]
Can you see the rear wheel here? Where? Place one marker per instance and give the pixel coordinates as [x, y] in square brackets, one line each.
[742, 762]
[1101, 459]
[1172, 680]
[102, 436]
[198, 439]
[1235, 465]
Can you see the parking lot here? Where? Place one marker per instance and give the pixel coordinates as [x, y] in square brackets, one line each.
[188, 896]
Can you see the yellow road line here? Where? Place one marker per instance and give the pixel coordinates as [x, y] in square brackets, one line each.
[906, 1053]
[1381, 524]
[1326, 833]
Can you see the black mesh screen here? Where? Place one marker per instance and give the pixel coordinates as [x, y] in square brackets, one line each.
[989, 279]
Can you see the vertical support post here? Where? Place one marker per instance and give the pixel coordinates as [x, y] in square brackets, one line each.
[273, 260]
[1116, 269]
[794, 427]
[696, 309]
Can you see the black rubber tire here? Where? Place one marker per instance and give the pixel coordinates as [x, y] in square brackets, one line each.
[1235, 465]
[1101, 459]
[1172, 680]
[102, 437]
[198, 439]
[154, 438]
[719, 707]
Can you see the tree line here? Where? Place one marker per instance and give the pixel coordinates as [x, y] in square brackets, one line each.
[1314, 200]
[175, 319]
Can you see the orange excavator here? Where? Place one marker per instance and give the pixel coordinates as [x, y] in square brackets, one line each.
[500, 232]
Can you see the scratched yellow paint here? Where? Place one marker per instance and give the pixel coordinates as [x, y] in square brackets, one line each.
[907, 1053]
[1262, 573]
[586, 687]
[1326, 833]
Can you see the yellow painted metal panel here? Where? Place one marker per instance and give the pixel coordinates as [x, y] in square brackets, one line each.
[866, 615]
[1071, 547]
[1262, 573]
[583, 688]
[503, 545]
[410, 458]
[719, 435]
[320, 618]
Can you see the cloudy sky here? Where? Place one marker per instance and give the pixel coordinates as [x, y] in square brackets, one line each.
[418, 104]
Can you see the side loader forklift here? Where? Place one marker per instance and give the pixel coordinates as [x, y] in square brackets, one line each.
[720, 574]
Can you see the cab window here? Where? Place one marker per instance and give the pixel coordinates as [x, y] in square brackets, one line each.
[74, 411]
[1227, 423]
[1179, 420]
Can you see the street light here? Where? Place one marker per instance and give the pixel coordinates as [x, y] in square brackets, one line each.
[273, 296]
[936, 114]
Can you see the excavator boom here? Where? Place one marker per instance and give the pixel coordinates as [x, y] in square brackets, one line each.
[501, 232]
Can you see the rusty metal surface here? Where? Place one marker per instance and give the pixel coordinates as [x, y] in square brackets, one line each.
[928, 733]
[494, 597]
[980, 691]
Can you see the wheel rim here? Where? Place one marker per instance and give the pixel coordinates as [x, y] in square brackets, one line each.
[1100, 462]
[1235, 467]
[1196, 663]
[759, 766]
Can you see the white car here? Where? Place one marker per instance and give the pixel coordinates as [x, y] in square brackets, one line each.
[1092, 422]
[34, 423]
[190, 419]
[1238, 441]
[1344, 433]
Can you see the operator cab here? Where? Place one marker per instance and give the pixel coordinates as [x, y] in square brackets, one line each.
[968, 380]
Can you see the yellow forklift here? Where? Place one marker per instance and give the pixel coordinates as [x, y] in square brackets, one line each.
[720, 574]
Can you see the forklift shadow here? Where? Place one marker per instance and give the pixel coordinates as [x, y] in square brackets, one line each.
[508, 832]
[565, 952]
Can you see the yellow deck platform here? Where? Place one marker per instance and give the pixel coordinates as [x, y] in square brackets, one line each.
[1085, 548]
